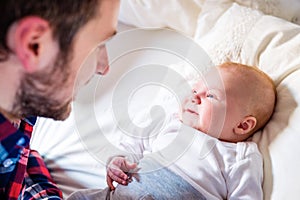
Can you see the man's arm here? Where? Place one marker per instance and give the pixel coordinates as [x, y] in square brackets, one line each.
[39, 183]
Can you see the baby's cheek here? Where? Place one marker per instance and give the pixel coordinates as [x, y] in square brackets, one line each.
[178, 115]
[206, 119]
[183, 105]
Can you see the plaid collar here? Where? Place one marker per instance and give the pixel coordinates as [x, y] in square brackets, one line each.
[12, 137]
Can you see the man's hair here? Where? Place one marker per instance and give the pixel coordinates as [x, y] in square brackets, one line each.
[65, 17]
[261, 97]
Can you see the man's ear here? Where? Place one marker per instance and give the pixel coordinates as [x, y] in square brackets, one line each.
[246, 125]
[29, 39]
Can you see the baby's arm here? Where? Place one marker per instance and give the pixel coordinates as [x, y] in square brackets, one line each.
[117, 169]
[245, 179]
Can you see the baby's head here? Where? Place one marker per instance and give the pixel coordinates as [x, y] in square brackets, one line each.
[231, 102]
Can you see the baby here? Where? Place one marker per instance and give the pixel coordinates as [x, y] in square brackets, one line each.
[229, 106]
[245, 99]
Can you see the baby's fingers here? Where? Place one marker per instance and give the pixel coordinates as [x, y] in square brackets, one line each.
[109, 182]
[118, 176]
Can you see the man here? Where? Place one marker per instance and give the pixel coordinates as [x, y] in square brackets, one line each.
[43, 45]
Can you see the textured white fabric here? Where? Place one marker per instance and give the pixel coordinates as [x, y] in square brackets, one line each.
[70, 164]
[227, 31]
[279, 143]
[285, 9]
[180, 15]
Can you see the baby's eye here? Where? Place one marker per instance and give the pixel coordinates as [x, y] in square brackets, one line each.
[210, 96]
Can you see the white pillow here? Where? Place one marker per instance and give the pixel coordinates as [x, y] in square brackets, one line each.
[71, 166]
[276, 8]
[279, 143]
[180, 15]
[273, 45]
[244, 35]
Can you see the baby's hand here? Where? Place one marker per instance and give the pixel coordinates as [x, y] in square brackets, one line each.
[116, 171]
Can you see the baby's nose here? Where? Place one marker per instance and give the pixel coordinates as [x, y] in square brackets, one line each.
[196, 98]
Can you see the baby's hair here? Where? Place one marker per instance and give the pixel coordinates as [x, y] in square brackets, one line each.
[262, 91]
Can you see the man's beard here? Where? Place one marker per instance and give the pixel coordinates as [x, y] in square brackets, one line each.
[35, 96]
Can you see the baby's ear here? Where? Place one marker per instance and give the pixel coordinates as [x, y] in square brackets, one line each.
[246, 125]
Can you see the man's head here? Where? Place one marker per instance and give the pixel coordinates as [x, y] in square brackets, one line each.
[42, 48]
[231, 103]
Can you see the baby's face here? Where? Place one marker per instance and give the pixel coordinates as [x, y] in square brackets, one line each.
[213, 105]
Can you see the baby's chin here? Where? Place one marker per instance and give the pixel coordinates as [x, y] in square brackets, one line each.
[190, 123]
[193, 124]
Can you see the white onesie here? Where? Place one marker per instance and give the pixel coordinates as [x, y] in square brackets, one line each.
[217, 169]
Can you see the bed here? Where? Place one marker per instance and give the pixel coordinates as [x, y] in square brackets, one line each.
[258, 33]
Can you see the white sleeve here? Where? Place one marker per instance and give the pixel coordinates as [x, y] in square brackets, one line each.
[244, 181]
[139, 137]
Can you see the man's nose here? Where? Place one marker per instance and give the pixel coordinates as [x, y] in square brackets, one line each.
[102, 61]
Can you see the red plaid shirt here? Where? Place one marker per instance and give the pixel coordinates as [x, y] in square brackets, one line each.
[23, 173]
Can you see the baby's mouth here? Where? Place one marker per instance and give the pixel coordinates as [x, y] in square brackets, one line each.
[191, 111]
